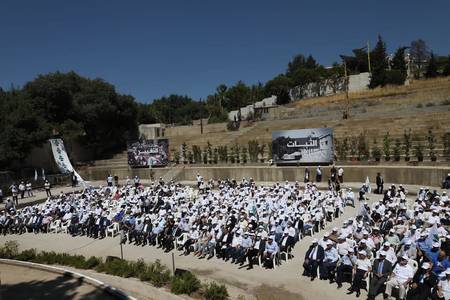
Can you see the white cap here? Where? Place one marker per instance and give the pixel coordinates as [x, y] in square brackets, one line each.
[436, 244]
[405, 257]
[387, 244]
[426, 265]
[314, 241]
[382, 252]
[362, 252]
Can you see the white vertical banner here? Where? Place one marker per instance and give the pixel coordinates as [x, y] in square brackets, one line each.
[62, 159]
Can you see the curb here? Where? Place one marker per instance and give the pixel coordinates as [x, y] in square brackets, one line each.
[92, 281]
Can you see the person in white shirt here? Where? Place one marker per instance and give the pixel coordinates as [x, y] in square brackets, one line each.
[400, 277]
[341, 175]
[443, 287]
[362, 269]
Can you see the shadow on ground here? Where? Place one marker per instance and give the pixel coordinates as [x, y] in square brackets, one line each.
[61, 287]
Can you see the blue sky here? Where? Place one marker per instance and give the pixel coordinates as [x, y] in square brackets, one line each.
[154, 48]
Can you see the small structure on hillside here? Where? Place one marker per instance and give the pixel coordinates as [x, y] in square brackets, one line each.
[258, 110]
[152, 131]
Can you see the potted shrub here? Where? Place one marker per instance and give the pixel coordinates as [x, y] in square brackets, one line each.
[269, 151]
[446, 142]
[353, 147]
[376, 151]
[407, 143]
[244, 155]
[363, 151]
[176, 156]
[432, 145]
[397, 150]
[216, 156]
[253, 147]
[418, 151]
[387, 146]
[261, 152]
[190, 156]
[205, 157]
[184, 152]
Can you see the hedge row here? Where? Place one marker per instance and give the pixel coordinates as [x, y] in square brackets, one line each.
[155, 273]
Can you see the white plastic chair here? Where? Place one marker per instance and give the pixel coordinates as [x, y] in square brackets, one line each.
[55, 226]
[112, 229]
[65, 226]
[287, 254]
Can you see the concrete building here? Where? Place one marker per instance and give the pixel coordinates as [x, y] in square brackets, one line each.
[152, 131]
[261, 107]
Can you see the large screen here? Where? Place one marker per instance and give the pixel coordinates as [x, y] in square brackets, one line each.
[145, 153]
[303, 146]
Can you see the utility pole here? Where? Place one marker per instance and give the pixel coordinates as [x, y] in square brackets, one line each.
[368, 57]
[347, 110]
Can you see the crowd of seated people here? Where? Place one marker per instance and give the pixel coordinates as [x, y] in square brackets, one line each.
[237, 221]
[392, 247]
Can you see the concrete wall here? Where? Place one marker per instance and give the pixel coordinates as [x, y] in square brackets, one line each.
[191, 130]
[427, 176]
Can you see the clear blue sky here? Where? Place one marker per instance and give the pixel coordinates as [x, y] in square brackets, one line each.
[153, 48]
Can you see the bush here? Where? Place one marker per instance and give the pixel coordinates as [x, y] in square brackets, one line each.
[213, 291]
[445, 102]
[93, 262]
[26, 255]
[156, 273]
[429, 104]
[186, 283]
[420, 105]
[9, 250]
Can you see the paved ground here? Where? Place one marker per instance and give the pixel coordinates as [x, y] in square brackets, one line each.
[21, 283]
[286, 280]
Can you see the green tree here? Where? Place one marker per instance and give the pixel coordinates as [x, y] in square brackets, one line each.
[280, 87]
[420, 54]
[397, 150]
[397, 74]
[446, 71]
[379, 65]
[432, 70]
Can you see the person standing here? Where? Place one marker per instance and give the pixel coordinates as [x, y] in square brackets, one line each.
[1, 196]
[109, 180]
[74, 179]
[306, 175]
[333, 174]
[29, 189]
[341, 175]
[318, 174]
[380, 182]
[47, 188]
[14, 192]
[136, 181]
[22, 189]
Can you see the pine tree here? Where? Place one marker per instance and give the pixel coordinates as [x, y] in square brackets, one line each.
[446, 71]
[432, 67]
[379, 64]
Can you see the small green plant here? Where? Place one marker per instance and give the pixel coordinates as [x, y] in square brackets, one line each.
[270, 150]
[363, 149]
[197, 152]
[387, 146]
[244, 155]
[397, 150]
[186, 283]
[215, 155]
[213, 291]
[353, 146]
[209, 151]
[445, 102]
[184, 150]
[9, 250]
[253, 147]
[407, 143]
[446, 143]
[205, 156]
[429, 104]
[376, 152]
[418, 151]
[176, 157]
[431, 145]
[420, 105]
[261, 150]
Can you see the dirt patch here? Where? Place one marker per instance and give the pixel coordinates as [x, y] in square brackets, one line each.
[267, 292]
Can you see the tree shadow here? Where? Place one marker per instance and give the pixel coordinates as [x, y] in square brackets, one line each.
[61, 287]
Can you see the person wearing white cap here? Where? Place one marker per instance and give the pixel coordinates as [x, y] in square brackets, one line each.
[345, 265]
[423, 281]
[271, 250]
[362, 269]
[401, 277]
[408, 249]
[382, 268]
[313, 258]
[390, 253]
[443, 287]
[329, 262]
